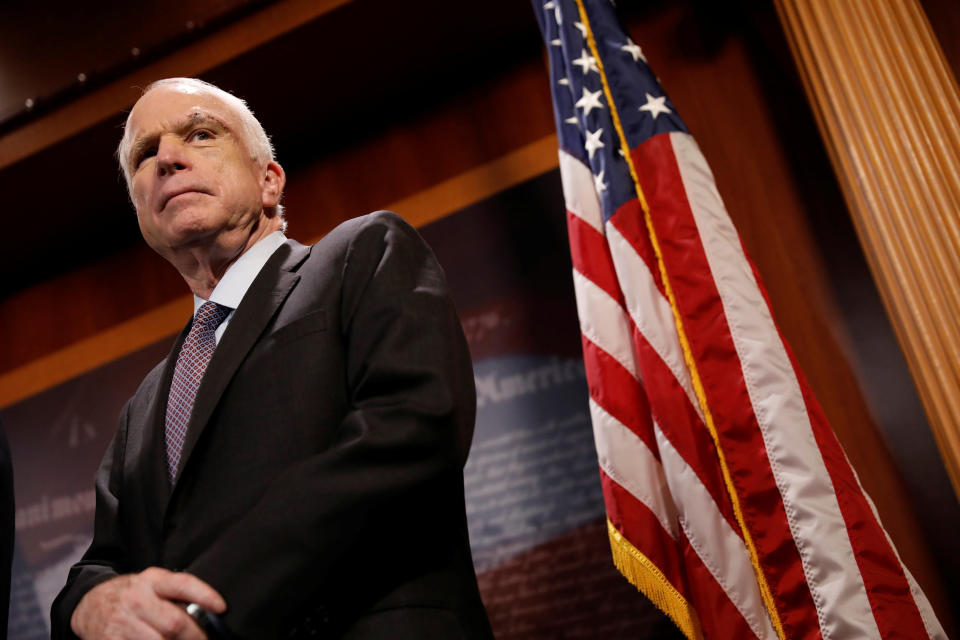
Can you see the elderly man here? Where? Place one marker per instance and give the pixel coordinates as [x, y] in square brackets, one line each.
[294, 466]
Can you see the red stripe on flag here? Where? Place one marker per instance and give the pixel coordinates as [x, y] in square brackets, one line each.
[619, 393]
[670, 405]
[630, 217]
[591, 256]
[719, 618]
[681, 425]
[640, 526]
[713, 350]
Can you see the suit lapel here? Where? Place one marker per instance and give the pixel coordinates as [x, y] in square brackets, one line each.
[146, 444]
[270, 288]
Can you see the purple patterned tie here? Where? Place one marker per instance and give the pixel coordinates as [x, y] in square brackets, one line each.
[191, 363]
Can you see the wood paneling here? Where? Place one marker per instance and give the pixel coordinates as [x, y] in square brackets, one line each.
[889, 108]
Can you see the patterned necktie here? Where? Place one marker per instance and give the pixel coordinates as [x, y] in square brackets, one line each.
[191, 363]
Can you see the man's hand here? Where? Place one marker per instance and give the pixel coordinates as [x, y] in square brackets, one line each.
[144, 605]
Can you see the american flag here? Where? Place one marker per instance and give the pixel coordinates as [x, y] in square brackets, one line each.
[730, 502]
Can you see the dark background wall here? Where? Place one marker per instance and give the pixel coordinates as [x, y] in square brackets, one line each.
[432, 106]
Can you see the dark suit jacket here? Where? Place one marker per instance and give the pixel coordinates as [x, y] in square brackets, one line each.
[320, 489]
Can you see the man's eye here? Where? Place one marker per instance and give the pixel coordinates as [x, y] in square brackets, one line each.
[202, 134]
[146, 153]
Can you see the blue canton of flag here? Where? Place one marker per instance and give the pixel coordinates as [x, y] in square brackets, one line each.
[584, 123]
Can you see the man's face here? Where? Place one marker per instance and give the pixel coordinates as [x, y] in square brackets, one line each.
[192, 176]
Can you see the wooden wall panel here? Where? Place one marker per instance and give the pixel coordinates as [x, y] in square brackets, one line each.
[889, 109]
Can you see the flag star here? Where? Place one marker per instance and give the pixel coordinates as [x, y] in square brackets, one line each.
[589, 100]
[656, 106]
[556, 42]
[573, 120]
[588, 63]
[598, 182]
[593, 142]
[582, 27]
[556, 10]
[635, 52]
[564, 81]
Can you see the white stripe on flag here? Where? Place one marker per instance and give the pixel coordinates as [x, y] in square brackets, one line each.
[579, 191]
[650, 310]
[720, 548]
[930, 623]
[626, 459]
[808, 495]
[604, 322]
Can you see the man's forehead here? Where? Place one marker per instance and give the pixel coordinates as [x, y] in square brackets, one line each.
[175, 104]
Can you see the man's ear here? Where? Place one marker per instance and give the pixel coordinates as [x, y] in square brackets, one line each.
[274, 181]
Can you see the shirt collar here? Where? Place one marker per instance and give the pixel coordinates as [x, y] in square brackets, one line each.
[241, 274]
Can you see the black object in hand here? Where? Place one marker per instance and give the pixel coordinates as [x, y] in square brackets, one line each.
[211, 623]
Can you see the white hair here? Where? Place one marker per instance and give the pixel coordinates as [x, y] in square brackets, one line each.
[251, 131]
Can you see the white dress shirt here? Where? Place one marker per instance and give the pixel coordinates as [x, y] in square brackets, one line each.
[238, 278]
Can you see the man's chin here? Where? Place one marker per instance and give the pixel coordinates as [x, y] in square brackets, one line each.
[189, 226]
[174, 241]
[194, 238]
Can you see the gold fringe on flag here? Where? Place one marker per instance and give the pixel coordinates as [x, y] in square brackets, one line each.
[646, 577]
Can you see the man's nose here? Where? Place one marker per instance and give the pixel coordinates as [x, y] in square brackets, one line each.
[171, 157]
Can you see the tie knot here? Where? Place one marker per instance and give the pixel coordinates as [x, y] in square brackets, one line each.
[210, 315]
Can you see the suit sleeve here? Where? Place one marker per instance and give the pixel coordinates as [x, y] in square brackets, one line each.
[104, 558]
[408, 430]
